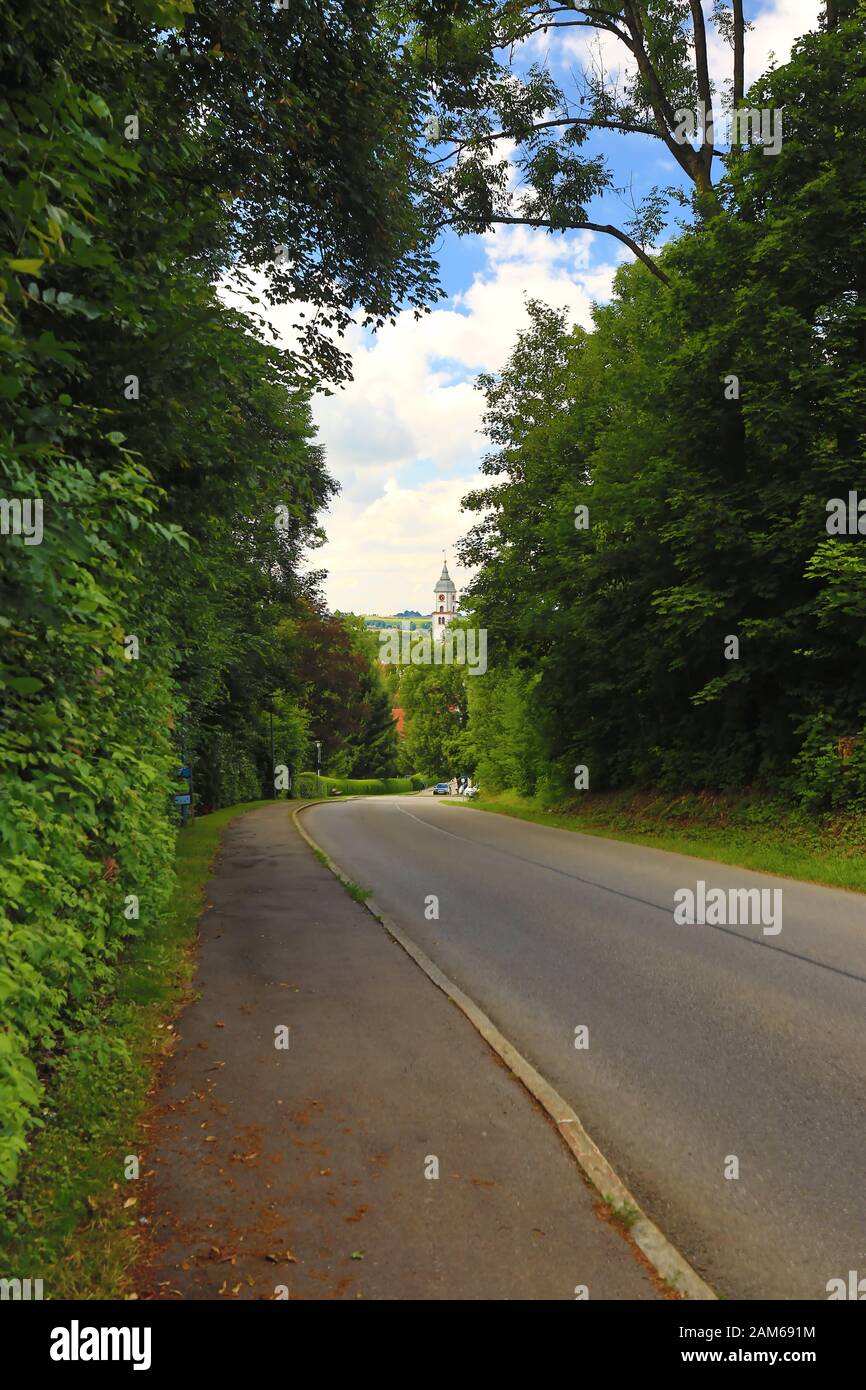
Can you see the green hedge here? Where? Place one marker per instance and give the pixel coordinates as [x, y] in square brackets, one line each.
[308, 786]
[87, 839]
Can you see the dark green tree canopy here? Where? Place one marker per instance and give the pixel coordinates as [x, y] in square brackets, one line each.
[703, 428]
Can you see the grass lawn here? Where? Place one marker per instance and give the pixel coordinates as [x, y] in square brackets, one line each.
[72, 1217]
[748, 830]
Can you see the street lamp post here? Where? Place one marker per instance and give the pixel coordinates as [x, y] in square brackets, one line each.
[318, 767]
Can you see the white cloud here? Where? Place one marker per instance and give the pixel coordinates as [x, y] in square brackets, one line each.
[403, 437]
[385, 556]
[775, 29]
[775, 26]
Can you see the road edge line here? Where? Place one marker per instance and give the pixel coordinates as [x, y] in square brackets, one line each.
[665, 1258]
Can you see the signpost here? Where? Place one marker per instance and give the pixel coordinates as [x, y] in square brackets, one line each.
[184, 799]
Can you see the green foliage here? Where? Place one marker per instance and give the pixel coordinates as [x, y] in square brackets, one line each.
[345, 695]
[829, 773]
[165, 438]
[505, 730]
[493, 114]
[706, 508]
[310, 787]
[230, 774]
[67, 1220]
[435, 702]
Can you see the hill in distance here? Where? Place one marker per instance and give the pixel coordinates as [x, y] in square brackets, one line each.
[410, 618]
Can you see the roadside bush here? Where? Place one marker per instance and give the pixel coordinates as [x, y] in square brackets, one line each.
[830, 769]
[307, 786]
[227, 773]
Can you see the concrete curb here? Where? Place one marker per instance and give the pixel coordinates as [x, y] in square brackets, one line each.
[673, 1267]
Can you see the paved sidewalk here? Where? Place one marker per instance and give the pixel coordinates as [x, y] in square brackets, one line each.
[304, 1169]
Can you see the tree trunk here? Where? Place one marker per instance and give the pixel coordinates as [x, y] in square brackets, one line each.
[739, 52]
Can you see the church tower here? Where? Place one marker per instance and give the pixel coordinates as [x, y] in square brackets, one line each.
[445, 605]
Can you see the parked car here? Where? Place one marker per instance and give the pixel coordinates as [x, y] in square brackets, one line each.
[442, 789]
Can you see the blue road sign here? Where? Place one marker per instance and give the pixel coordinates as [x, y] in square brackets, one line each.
[183, 800]
[183, 772]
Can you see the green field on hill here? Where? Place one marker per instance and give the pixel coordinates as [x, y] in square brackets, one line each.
[377, 620]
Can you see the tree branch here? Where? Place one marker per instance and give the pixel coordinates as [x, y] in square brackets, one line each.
[605, 228]
[593, 19]
[624, 126]
[688, 160]
[544, 25]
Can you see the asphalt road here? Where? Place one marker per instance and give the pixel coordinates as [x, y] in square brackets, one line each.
[706, 1044]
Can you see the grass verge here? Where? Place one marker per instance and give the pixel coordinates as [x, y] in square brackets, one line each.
[72, 1217]
[748, 830]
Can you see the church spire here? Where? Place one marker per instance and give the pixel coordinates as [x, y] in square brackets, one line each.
[446, 602]
[445, 582]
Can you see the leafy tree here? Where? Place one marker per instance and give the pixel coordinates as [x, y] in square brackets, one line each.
[151, 150]
[372, 750]
[505, 736]
[483, 103]
[435, 703]
[348, 706]
[704, 427]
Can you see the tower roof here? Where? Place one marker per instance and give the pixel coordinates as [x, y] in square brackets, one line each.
[446, 583]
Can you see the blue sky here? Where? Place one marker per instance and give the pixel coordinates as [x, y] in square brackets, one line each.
[403, 438]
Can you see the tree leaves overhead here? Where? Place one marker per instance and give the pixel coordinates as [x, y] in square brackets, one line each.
[646, 60]
[305, 121]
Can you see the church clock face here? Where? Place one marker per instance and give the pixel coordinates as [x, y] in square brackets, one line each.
[441, 598]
